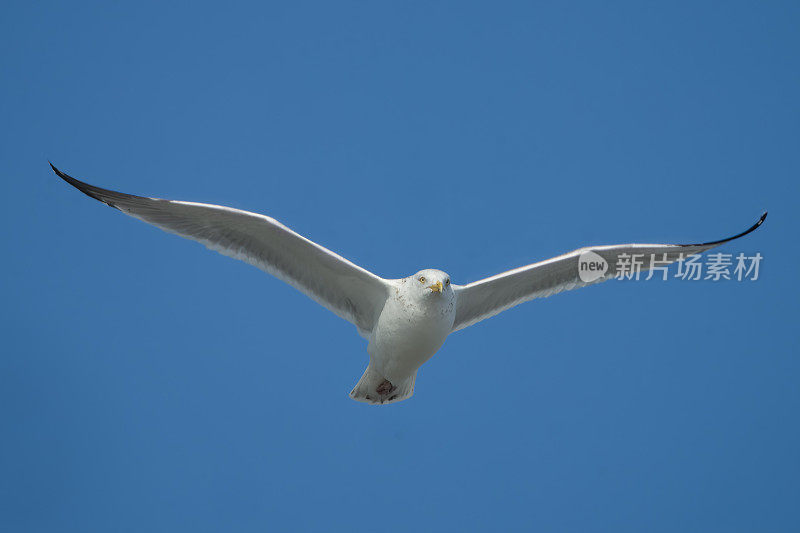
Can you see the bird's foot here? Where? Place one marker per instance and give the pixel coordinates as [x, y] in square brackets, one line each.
[385, 388]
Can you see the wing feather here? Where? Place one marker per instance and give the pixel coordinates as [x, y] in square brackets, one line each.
[348, 290]
[485, 298]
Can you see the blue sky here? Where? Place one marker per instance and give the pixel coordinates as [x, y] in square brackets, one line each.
[147, 384]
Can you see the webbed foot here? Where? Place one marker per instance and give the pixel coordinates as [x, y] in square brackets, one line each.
[385, 387]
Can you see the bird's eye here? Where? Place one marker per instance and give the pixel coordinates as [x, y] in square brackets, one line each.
[422, 279]
[447, 281]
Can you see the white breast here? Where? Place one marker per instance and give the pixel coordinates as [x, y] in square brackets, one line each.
[409, 331]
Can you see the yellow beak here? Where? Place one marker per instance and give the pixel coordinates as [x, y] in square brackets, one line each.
[436, 287]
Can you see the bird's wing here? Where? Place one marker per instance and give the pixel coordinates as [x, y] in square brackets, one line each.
[348, 290]
[488, 297]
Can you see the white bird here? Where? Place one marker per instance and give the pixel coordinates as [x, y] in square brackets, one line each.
[406, 320]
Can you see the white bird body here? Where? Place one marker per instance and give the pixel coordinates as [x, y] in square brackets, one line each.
[413, 325]
[406, 320]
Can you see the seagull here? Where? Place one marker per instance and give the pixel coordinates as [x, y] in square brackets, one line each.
[405, 321]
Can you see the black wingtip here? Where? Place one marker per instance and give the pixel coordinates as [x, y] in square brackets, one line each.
[85, 188]
[89, 190]
[65, 177]
[69, 179]
[742, 234]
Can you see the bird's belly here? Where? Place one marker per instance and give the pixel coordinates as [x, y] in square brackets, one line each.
[404, 339]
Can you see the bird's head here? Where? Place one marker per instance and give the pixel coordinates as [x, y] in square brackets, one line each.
[431, 282]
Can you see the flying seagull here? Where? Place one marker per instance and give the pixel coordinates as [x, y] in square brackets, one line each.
[406, 320]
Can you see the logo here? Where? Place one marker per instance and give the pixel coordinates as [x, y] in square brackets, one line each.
[591, 266]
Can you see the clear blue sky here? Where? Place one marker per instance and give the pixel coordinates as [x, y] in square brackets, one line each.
[147, 384]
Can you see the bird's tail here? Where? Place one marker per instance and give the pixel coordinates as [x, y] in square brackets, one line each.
[374, 389]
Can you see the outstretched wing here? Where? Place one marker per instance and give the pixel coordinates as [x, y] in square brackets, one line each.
[348, 290]
[488, 297]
